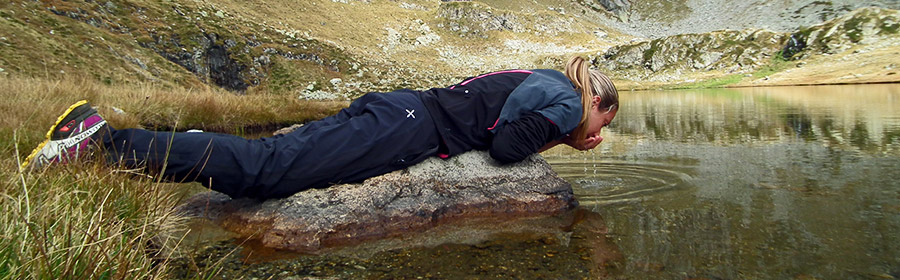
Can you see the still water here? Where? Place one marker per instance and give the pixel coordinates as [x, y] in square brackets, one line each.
[758, 183]
[762, 183]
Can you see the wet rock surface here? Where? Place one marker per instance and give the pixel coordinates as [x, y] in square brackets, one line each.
[414, 199]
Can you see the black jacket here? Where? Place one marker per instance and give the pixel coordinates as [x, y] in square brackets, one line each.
[467, 116]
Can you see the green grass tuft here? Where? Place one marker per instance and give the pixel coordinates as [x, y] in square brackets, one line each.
[711, 83]
[853, 27]
[775, 65]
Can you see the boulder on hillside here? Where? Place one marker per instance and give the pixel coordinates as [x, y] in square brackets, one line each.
[413, 199]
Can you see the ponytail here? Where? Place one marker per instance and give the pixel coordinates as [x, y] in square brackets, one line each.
[589, 83]
[577, 72]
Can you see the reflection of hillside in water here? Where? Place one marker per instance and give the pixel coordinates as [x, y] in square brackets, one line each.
[759, 183]
[863, 117]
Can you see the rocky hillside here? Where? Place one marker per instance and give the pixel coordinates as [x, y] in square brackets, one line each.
[667, 59]
[753, 53]
[322, 49]
[168, 42]
[312, 49]
[657, 19]
[869, 26]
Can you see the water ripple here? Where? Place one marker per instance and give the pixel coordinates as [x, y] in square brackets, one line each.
[604, 183]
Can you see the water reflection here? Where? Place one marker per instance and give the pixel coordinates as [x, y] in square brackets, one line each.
[863, 117]
[766, 183]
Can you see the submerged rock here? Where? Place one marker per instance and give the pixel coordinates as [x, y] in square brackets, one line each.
[412, 199]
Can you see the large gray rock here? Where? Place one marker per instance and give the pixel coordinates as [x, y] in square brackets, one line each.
[413, 199]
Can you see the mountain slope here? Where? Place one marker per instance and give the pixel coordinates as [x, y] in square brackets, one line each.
[343, 48]
[285, 47]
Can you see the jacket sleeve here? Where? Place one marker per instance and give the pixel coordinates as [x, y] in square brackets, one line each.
[523, 137]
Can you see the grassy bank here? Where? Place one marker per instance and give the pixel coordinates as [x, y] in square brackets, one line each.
[89, 220]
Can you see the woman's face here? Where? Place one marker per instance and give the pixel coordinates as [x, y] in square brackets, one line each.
[600, 118]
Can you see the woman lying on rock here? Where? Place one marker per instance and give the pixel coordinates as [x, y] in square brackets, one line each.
[512, 113]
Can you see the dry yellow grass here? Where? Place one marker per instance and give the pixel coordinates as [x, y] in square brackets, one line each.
[31, 104]
[88, 220]
[80, 221]
[859, 65]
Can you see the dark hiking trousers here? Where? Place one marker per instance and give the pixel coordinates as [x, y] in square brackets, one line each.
[378, 133]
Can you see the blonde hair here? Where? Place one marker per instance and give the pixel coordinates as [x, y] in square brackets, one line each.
[589, 83]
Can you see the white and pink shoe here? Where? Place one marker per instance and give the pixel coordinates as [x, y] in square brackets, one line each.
[70, 136]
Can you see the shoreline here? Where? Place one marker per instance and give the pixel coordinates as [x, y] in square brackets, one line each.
[763, 86]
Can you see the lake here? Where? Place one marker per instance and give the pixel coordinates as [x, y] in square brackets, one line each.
[788, 182]
[751, 183]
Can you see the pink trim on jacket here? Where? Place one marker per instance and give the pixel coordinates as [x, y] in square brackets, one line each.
[495, 124]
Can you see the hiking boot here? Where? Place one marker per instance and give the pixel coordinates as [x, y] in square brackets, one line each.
[70, 136]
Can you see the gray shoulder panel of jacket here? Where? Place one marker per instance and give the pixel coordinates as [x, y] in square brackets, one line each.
[547, 92]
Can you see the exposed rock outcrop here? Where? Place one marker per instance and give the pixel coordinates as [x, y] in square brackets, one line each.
[667, 59]
[474, 19]
[657, 19]
[208, 59]
[728, 50]
[863, 26]
[620, 8]
[416, 198]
